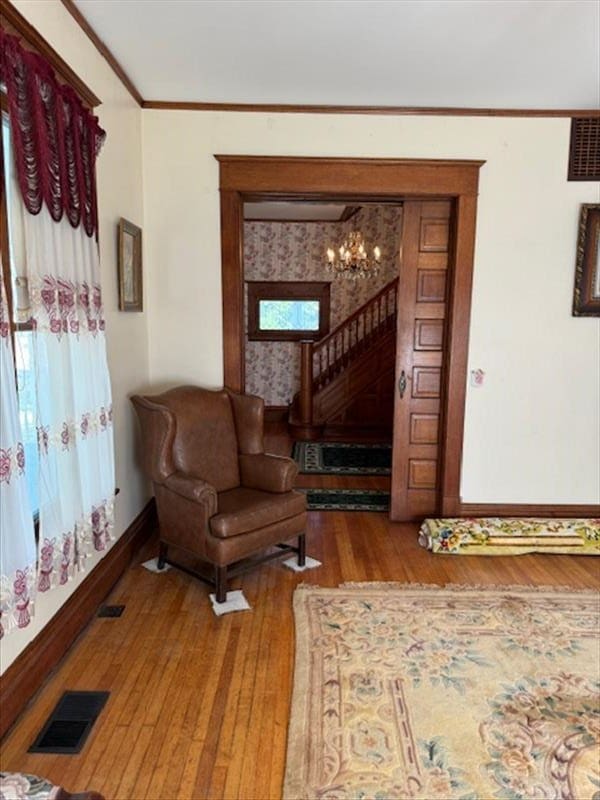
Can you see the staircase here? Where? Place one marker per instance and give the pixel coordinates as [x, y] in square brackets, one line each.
[347, 377]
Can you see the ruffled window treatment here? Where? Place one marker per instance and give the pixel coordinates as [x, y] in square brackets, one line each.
[53, 230]
[55, 139]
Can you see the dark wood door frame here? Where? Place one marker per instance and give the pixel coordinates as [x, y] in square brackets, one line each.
[353, 179]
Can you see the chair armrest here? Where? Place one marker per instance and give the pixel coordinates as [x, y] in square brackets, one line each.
[268, 473]
[193, 489]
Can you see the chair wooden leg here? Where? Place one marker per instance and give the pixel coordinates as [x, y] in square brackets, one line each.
[221, 584]
[162, 555]
[302, 550]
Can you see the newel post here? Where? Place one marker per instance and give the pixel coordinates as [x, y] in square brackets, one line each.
[306, 381]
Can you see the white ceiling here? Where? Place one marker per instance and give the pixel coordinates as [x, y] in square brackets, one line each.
[466, 53]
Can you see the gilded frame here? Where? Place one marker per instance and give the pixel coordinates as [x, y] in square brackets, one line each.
[586, 295]
[129, 264]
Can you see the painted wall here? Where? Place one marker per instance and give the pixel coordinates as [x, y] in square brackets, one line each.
[296, 251]
[119, 194]
[533, 430]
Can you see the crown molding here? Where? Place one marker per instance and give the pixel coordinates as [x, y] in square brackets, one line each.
[274, 108]
[103, 50]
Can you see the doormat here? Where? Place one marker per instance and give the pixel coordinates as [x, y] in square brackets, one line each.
[335, 458]
[346, 499]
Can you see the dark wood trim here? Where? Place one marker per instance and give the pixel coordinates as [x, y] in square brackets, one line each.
[14, 22]
[233, 290]
[287, 290]
[349, 212]
[278, 108]
[346, 178]
[527, 510]
[461, 249]
[276, 413]
[103, 50]
[33, 666]
[358, 180]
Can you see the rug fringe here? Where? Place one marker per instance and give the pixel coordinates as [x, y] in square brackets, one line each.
[453, 587]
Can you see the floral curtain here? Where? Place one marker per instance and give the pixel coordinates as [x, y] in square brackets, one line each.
[17, 539]
[74, 405]
[53, 223]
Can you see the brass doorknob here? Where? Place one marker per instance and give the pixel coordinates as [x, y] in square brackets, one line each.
[402, 384]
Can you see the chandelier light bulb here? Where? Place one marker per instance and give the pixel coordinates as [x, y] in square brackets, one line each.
[354, 261]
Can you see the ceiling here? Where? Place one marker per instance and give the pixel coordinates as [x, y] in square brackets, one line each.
[447, 53]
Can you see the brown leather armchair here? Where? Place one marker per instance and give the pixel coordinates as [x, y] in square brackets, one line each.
[219, 496]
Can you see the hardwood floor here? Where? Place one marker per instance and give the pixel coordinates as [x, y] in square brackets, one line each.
[199, 705]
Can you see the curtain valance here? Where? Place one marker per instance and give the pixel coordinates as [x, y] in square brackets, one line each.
[55, 138]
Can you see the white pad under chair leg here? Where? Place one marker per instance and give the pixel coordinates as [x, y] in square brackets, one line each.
[234, 601]
[152, 565]
[292, 563]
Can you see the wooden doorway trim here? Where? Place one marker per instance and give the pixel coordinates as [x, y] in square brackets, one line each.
[355, 179]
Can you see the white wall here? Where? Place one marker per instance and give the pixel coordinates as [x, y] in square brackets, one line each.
[532, 431]
[119, 194]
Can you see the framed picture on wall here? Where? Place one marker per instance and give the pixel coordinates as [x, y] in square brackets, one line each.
[586, 298]
[129, 263]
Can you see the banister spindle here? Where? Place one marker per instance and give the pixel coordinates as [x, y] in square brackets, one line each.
[306, 382]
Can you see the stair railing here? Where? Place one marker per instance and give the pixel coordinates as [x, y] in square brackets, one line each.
[322, 361]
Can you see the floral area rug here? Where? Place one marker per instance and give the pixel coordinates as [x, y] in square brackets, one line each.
[405, 691]
[494, 536]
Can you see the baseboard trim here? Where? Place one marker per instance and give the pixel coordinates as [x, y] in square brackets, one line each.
[527, 510]
[276, 413]
[33, 666]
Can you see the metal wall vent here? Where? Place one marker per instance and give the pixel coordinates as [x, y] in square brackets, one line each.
[584, 155]
[69, 725]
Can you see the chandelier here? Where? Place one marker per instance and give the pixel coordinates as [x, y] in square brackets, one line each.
[352, 260]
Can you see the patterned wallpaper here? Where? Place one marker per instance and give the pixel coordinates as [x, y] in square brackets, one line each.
[297, 251]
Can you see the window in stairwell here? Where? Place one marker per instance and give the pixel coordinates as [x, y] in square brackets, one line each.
[287, 310]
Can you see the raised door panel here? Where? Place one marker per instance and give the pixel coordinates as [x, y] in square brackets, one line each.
[421, 473]
[424, 428]
[431, 285]
[434, 236]
[426, 382]
[429, 334]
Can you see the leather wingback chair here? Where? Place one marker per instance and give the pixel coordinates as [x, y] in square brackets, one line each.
[219, 497]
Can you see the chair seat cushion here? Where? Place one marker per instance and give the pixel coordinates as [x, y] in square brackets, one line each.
[244, 510]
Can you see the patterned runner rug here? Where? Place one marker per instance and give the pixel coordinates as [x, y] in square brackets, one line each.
[404, 691]
[346, 499]
[335, 458]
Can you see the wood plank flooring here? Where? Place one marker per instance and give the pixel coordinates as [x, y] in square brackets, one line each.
[199, 705]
